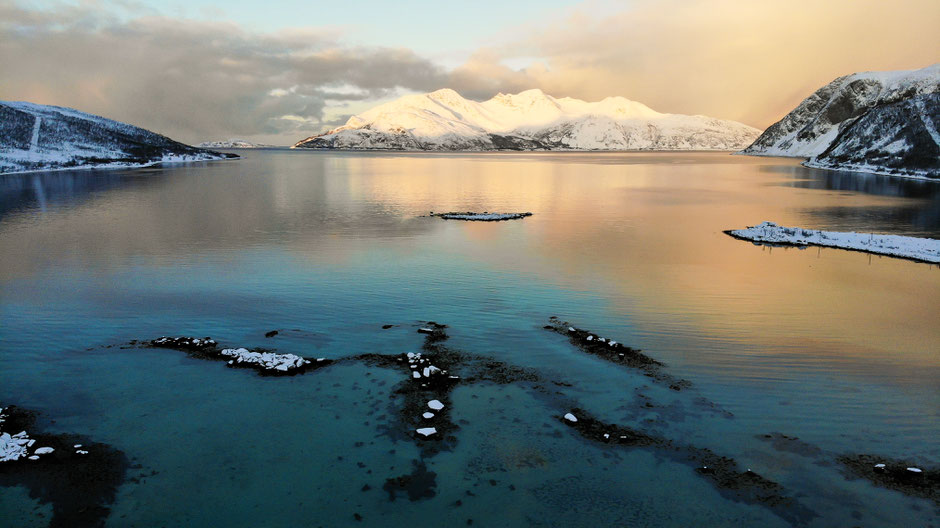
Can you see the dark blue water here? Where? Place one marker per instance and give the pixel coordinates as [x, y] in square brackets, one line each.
[835, 347]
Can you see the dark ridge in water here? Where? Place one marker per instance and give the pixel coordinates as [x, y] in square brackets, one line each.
[723, 472]
[80, 487]
[615, 352]
[894, 474]
[791, 444]
[419, 484]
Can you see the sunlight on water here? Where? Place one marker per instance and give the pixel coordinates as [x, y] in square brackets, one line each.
[839, 348]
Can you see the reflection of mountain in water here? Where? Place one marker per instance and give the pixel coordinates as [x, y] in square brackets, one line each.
[922, 216]
[41, 190]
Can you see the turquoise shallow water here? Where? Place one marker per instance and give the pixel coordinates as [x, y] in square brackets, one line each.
[837, 348]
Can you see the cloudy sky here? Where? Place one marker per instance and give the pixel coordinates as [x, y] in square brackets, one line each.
[278, 71]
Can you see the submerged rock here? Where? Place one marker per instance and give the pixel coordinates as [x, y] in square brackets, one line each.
[895, 474]
[615, 352]
[80, 485]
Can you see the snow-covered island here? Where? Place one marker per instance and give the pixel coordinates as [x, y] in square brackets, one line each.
[920, 249]
[531, 120]
[39, 137]
[232, 144]
[875, 122]
[262, 361]
[481, 217]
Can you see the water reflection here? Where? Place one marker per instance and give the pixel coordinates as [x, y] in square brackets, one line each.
[642, 230]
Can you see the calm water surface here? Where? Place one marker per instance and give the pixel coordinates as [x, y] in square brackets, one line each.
[839, 348]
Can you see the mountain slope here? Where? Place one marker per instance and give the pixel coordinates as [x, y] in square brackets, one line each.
[881, 122]
[232, 144]
[39, 137]
[530, 120]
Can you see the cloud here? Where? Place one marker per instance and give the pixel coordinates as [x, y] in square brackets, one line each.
[745, 60]
[195, 80]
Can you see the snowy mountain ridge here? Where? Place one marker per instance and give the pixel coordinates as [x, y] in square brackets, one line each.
[233, 143]
[40, 137]
[880, 122]
[529, 120]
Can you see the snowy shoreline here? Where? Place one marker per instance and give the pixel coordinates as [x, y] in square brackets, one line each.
[120, 165]
[912, 248]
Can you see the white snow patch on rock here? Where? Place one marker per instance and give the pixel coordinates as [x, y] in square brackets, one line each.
[571, 418]
[924, 249]
[436, 405]
[484, 217]
[266, 360]
[426, 431]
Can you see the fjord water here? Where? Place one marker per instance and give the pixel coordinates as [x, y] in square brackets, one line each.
[837, 348]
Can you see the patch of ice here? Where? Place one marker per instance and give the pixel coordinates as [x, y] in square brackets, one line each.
[426, 431]
[571, 418]
[915, 470]
[43, 450]
[435, 405]
[428, 415]
[416, 374]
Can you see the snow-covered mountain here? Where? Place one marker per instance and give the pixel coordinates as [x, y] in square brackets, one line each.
[39, 137]
[232, 144]
[880, 122]
[530, 120]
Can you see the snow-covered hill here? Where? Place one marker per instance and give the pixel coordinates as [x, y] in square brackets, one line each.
[39, 137]
[530, 120]
[232, 144]
[880, 122]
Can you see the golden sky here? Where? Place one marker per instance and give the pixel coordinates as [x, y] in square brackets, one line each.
[286, 69]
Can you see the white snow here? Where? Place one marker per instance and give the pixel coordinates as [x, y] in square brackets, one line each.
[924, 249]
[83, 148]
[880, 466]
[416, 374]
[915, 470]
[43, 450]
[444, 118]
[12, 447]
[34, 141]
[571, 418]
[435, 405]
[231, 144]
[428, 415]
[426, 431]
[266, 360]
[812, 128]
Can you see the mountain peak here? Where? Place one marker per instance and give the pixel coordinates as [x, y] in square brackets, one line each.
[531, 119]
